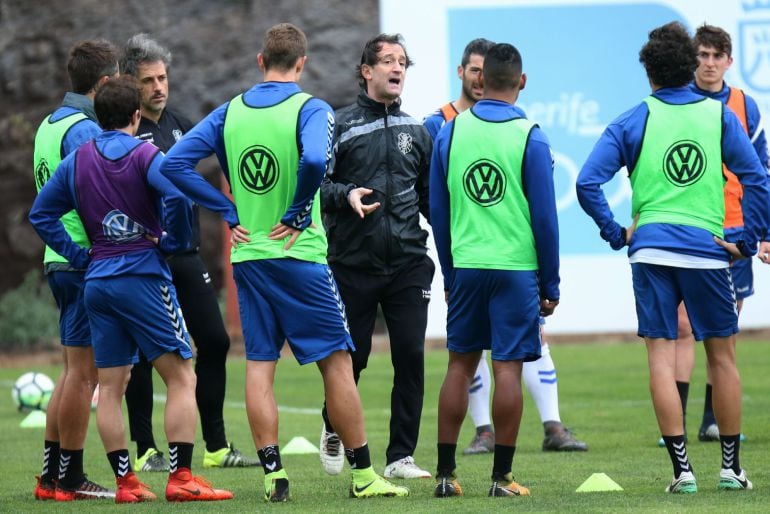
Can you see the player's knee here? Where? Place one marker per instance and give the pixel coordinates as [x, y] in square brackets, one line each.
[84, 374]
[188, 378]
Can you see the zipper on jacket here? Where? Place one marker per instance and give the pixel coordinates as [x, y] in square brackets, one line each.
[388, 245]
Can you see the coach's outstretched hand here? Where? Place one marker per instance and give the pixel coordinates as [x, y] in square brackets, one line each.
[354, 199]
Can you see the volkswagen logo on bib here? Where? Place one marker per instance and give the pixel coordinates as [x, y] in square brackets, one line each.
[42, 173]
[684, 163]
[258, 169]
[484, 183]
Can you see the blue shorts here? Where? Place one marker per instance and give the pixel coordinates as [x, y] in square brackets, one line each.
[67, 288]
[707, 294]
[497, 310]
[134, 312]
[743, 278]
[290, 300]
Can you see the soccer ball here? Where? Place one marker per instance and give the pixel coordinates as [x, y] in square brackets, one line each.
[32, 391]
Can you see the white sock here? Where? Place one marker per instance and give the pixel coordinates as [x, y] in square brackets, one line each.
[478, 393]
[540, 378]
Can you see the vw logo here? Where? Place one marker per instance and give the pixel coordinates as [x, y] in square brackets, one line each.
[684, 163]
[42, 173]
[118, 227]
[258, 169]
[484, 183]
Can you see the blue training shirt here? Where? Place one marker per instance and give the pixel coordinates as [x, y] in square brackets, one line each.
[620, 145]
[207, 137]
[538, 188]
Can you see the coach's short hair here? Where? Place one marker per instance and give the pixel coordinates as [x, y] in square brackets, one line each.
[502, 67]
[479, 46]
[89, 61]
[116, 102]
[283, 45]
[669, 57]
[140, 49]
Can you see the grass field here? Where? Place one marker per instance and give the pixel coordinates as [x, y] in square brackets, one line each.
[604, 398]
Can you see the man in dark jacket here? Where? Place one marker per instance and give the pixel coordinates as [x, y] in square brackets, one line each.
[372, 197]
[148, 62]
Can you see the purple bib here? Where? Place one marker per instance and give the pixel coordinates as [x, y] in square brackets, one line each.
[115, 202]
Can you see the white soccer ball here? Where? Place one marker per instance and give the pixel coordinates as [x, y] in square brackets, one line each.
[32, 391]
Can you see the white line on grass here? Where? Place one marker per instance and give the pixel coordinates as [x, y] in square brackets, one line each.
[161, 398]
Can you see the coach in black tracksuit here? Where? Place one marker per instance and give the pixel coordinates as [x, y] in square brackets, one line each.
[147, 61]
[380, 168]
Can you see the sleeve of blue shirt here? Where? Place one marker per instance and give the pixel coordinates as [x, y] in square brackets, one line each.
[537, 176]
[78, 134]
[176, 209]
[618, 146]
[179, 165]
[55, 199]
[439, 203]
[334, 195]
[757, 132]
[433, 125]
[316, 129]
[741, 158]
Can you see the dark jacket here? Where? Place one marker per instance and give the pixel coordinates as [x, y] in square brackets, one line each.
[388, 151]
[170, 128]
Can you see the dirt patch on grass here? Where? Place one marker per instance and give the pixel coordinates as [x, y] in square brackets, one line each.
[380, 343]
[46, 357]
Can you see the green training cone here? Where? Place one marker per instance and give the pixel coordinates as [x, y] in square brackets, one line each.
[299, 445]
[598, 482]
[35, 419]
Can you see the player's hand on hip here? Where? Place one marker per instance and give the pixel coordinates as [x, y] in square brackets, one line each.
[732, 249]
[547, 306]
[354, 199]
[238, 235]
[281, 231]
[764, 252]
[631, 229]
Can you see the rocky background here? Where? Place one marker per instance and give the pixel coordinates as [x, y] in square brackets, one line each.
[214, 46]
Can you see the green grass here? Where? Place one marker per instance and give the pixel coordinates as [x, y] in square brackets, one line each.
[604, 398]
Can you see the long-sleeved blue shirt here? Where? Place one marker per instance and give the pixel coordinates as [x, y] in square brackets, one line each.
[60, 195]
[207, 137]
[537, 174]
[620, 145]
